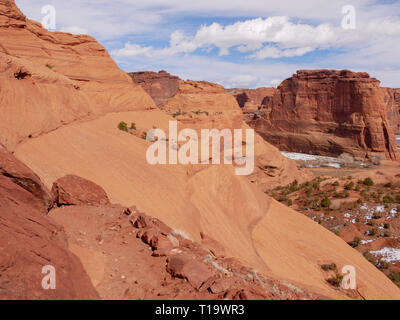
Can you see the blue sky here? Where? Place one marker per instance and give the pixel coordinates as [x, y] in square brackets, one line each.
[238, 43]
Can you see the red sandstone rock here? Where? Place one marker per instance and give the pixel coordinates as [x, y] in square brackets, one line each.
[329, 112]
[21, 175]
[255, 102]
[73, 190]
[392, 100]
[160, 86]
[29, 240]
[50, 79]
[185, 266]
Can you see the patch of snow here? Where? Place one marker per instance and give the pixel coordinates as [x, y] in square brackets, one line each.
[347, 215]
[388, 254]
[353, 221]
[367, 241]
[380, 209]
[334, 165]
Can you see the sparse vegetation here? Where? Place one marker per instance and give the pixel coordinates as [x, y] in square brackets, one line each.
[336, 280]
[123, 126]
[356, 242]
[368, 182]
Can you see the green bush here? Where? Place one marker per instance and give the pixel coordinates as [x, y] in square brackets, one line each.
[327, 267]
[336, 281]
[356, 242]
[368, 182]
[395, 277]
[388, 199]
[388, 185]
[326, 202]
[123, 126]
[349, 186]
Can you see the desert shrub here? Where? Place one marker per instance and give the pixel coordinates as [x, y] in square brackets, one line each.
[387, 234]
[123, 126]
[290, 202]
[336, 280]
[367, 255]
[144, 135]
[395, 277]
[133, 126]
[349, 186]
[356, 242]
[327, 267]
[309, 192]
[49, 66]
[357, 188]
[377, 215]
[388, 185]
[325, 202]
[388, 199]
[384, 264]
[373, 231]
[398, 198]
[371, 223]
[368, 182]
[336, 183]
[386, 225]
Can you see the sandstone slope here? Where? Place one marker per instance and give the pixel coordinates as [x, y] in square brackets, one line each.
[204, 105]
[192, 200]
[49, 79]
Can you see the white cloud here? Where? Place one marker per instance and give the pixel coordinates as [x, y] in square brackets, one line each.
[132, 50]
[133, 28]
[273, 52]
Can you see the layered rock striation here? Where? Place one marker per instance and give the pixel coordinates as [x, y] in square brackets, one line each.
[329, 112]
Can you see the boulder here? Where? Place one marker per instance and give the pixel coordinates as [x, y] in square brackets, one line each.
[185, 266]
[73, 190]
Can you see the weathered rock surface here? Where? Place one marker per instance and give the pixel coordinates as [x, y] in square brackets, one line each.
[329, 112]
[392, 100]
[73, 190]
[138, 268]
[49, 79]
[29, 240]
[254, 102]
[204, 105]
[160, 86]
[211, 200]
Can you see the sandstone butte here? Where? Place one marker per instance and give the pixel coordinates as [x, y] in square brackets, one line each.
[62, 100]
[392, 100]
[326, 112]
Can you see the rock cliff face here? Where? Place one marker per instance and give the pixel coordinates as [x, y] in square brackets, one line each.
[160, 86]
[329, 112]
[49, 79]
[29, 240]
[392, 100]
[254, 103]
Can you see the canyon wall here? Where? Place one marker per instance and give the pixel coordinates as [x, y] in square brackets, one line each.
[392, 100]
[329, 112]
